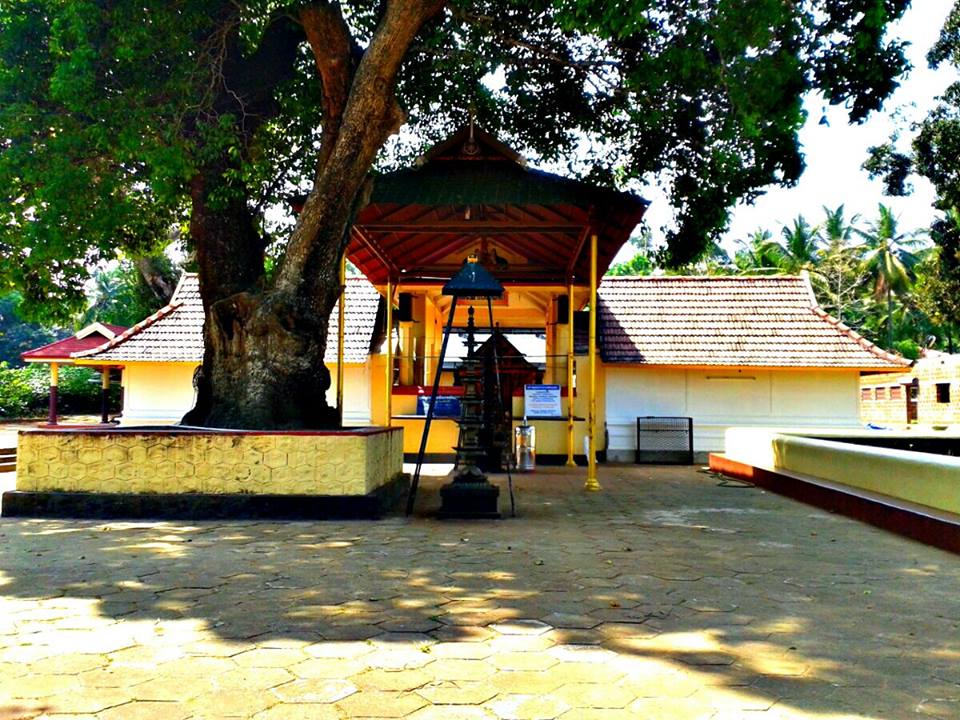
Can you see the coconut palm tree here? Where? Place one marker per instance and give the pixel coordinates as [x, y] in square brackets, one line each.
[799, 248]
[841, 273]
[757, 254]
[888, 261]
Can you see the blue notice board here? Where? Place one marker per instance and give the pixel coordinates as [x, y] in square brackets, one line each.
[541, 401]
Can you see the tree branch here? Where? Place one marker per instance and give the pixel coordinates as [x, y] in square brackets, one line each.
[369, 116]
[334, 51]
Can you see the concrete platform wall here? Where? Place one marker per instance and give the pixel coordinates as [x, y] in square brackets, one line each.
[179, 461]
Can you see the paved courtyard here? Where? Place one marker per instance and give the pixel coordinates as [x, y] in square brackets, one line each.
[670, 594]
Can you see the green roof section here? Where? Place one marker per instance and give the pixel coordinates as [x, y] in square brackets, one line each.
[492, 182]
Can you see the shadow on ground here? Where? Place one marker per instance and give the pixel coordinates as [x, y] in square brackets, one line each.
[667, 587]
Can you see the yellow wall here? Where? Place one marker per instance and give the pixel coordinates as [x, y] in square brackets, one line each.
[234, 462]
[444, 432]
[161, 393]
[157, 393]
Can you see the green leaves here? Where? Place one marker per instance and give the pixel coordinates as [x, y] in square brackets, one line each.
[110, 111]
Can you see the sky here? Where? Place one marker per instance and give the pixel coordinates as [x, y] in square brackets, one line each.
[835, 152]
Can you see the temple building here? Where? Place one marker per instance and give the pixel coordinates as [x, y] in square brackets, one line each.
[721, 350]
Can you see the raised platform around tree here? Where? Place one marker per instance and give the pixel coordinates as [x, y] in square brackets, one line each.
[206, 473]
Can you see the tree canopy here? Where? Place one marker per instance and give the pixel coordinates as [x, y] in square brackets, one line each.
[119, 119]
[933, 154]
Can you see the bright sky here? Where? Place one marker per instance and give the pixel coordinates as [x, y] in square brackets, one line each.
[835, 152]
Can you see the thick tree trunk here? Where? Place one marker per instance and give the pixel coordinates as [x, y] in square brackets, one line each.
[264, 347]
[263, 364]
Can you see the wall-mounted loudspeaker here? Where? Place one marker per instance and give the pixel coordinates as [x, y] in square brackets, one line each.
[563, 309]
[404, 307]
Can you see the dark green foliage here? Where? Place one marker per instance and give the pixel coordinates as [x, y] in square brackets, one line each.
[759, 254]
[938, 288]
[934, 155]
[17, 393]
[91, 110]
[883, 283]
[16, 335]
[908, 348]
[108, 110]
[25, 391]
[892, 167]
[123, 297]
[639, 264]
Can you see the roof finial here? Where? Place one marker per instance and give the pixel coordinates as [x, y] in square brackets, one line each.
[470, 147]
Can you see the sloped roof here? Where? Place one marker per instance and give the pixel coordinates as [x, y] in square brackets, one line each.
[359, 323]
[422, 220]
[768, 321]
[92, 336]
[175, 332]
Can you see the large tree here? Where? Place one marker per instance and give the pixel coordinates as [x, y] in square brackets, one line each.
[118, 118]
[934, 155]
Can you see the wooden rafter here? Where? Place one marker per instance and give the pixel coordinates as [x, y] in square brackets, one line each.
[375, 250]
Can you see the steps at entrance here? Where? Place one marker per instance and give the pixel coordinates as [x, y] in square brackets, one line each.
[8, 459]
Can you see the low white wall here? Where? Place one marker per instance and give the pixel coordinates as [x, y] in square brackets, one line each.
[720, 398]
[356, 394]
[923, 478]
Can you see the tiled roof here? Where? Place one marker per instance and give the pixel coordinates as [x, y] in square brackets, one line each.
[175, 332]
[359, 323]
[172, 334]
[90, 337]
[769, 321]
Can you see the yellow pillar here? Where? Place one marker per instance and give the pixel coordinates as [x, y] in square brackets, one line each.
[104, 394]
[389, 378]
[406, 353]
[570, 340]
[54, 382]
[341, 320]
[592, 483]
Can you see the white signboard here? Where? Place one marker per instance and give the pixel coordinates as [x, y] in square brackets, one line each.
[540, 401]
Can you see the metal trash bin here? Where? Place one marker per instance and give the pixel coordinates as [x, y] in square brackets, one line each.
[525, 444]
[664, 440]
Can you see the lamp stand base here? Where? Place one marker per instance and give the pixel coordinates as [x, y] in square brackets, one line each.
[470, 500]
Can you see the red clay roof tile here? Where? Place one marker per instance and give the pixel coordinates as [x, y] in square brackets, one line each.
[767, 321]
[64, 349]
[175, 332]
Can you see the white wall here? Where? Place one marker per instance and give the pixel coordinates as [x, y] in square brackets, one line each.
[156, 393]
[724, 397]
[356, 393]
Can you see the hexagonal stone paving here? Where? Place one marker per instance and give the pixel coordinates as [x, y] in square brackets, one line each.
[317, 691]
[528, 707]
[521, 627]
[586, 606]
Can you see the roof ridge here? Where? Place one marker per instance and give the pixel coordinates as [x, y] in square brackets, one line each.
[135, 330]
[867, 345]
[710, 278]
[106, 330]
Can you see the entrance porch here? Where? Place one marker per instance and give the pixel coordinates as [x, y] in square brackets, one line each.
[546, 238]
